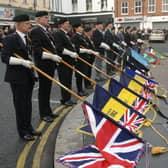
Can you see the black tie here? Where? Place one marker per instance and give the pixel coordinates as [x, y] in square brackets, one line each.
[26, 39]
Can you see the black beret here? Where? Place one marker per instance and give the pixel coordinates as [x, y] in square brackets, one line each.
[87, 29]
[76, 25]
[41, 13]
[62, 21]
[21, 18]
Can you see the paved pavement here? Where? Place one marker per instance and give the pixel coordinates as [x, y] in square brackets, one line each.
[69, 139]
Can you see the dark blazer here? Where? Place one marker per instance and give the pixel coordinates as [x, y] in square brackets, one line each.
[110, 38]
[92, 47]
[79, 41]
[62, 41]
[120, 36]
[40, 39]
[127, 38]
[97, 39]
[15, 73]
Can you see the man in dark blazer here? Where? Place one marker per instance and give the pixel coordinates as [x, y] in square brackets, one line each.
[20, 76]
[42, 38]
[81, 46]
[111, 39]
[88, 32]
[67, 51]
[100, 45]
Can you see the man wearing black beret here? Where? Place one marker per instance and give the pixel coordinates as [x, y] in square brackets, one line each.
[67, 51]
[42, 38]
[88, 32]
[20, 75]
[100, 45]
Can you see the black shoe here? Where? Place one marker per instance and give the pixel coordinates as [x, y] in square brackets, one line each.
[36, 133]
[69, 103]
[83, 93]
[47, 119]
[28, 137]
[54, 115]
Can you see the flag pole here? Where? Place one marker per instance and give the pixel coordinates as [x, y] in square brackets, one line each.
[74, 69]
[92, 66]
[120, 70]
[53, 80]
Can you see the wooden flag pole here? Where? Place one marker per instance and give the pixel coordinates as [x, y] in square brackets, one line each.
[53, 80]
[74, 69]
[120, 70]
[87, 63]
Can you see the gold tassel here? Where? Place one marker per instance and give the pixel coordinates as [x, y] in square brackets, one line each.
[158, 150]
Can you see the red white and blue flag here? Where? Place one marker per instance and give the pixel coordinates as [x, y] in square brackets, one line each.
[115, 146]
[118, 145]
[86, 157]
[131, 120]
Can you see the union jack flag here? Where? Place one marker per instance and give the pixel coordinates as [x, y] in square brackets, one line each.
[141, 102]
[144, 92]
[131, 120]
[86, 157]
[118, 146]
[149, 82]
[140, 105]
[132, 117]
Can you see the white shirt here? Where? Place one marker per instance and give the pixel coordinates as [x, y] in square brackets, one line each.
[22, 36]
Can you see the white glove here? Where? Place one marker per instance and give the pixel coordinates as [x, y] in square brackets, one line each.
[105, 46]
[124, 43]
[70, 53]
[116, 45]
[140, 41]
[94, 52]
[18, 61]
[132, 42]
[84, 50]
[52, 57]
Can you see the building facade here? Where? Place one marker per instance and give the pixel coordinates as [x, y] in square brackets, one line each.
[144, 14]
[87, 11]
[10, 8]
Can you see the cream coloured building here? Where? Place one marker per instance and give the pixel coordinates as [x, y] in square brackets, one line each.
[27, 4]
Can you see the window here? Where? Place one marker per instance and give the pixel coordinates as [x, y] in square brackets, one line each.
[103, 4]
[138, 7]
[124, 7]
[89, 5]
[151, 6]
[164, 5]
[74, 5]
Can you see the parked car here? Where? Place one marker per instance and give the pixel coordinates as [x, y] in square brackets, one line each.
[157, 35]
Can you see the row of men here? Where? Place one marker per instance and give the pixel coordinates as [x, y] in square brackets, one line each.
[47, 50]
